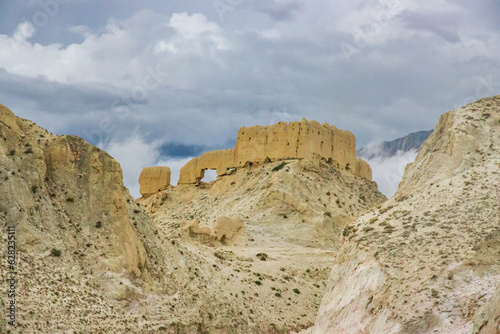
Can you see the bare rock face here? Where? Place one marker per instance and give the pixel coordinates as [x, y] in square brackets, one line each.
[65, 174]
[224, 229]
[73, 221]
[428, 260]
[153, 180]
[281, 141]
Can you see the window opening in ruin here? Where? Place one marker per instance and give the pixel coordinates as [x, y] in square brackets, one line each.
[210, 175]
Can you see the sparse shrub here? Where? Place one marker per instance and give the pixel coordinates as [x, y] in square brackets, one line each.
[277, 294]
[137, 211]
[384, 210]
[12, 153]
[368, 228]
[258, 282]
[29, 150]
[329, 214]
[262, 256]
[220, 255]
[55, 252]
[279, 167]
[349, 230]
[70, 199]
[297, 291]
[98, 224]
[34, 188]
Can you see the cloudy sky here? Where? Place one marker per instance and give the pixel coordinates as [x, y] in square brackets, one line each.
[158, 82]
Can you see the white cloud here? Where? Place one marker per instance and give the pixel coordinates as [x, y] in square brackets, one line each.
[175, 166]
[117, 55]
[133, 155]
[136, 153]
[192, 25]
[388, 172]
[25, 30]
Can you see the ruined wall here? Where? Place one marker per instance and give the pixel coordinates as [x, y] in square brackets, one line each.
[257, 144]
[281, 141]
[194, 169]
[154, 179]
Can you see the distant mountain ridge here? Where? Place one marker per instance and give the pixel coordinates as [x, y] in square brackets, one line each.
[413, 141]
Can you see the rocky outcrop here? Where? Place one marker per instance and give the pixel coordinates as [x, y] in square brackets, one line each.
[224, 229]
[427, 260]
[281, 141]
[75, 227]
[65, 185]
[153, 180]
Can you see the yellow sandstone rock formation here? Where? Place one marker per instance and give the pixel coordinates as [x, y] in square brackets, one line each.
[154, 179]
[281, 141]
[224, 229]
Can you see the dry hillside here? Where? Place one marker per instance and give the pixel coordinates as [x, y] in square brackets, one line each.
[428, 261]
[287, 219]
[90, 259]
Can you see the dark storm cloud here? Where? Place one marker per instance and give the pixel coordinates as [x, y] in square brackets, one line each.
[173, 150]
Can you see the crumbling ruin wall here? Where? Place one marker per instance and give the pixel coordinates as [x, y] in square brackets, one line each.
[194, 170]
[281, 141]
[154, 179]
